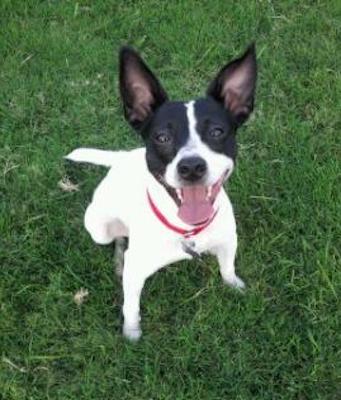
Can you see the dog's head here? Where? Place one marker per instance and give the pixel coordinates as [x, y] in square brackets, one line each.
[190, 146]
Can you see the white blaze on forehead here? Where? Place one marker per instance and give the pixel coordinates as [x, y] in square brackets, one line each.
[217, 163]
[194, 139]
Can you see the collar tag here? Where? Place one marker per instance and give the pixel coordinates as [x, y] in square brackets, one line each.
[188, 247]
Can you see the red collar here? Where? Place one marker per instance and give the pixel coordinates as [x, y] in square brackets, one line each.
[185, 232]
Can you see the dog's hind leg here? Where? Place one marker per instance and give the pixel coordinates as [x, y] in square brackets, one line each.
[102, 227]
[121, 244]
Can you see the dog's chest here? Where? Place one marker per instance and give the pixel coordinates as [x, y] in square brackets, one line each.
[162, 246]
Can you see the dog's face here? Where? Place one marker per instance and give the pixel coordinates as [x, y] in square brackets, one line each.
[190, 146]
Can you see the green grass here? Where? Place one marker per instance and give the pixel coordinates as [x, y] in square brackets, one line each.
[202, 340]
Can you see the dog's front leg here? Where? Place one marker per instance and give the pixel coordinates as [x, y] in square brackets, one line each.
[226, 254]
[135, 272]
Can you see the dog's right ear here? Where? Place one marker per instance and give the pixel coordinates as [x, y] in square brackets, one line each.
[140, 90]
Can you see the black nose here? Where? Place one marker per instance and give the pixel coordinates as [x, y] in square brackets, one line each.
[192, 168]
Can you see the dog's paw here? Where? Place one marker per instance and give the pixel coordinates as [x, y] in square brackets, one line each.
[235, 282]
[132, 334]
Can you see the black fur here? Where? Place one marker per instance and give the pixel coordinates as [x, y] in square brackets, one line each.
[212, 118]
[169, 121]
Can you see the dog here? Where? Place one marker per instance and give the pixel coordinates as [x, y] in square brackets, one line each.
[168, 197]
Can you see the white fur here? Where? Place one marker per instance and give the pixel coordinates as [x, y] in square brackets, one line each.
[217, 163]
[120, 208]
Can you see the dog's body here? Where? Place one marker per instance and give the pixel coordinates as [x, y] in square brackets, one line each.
[168, 197]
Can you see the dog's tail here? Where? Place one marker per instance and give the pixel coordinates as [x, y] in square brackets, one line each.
[94, 156]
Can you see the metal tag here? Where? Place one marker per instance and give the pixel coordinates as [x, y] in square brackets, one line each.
[188, 247]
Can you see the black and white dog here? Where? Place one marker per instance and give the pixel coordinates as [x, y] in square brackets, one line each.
[168, 196]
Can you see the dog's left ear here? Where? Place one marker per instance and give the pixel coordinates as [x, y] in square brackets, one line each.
[141, 92]
[235, 85]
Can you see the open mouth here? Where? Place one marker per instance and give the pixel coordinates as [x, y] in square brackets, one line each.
[196, 202]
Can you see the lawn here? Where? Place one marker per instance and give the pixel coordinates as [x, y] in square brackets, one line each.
[280, 339]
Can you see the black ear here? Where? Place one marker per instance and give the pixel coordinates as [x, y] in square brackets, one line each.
[235, 85]
[140, 90]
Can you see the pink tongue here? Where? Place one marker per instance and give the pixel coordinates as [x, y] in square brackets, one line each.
[195, 208]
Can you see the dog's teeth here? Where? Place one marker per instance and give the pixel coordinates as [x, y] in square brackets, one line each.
[179, 194]
[209, 193]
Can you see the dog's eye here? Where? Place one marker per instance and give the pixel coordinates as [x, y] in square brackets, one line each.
[216, 133]
[163, 138]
